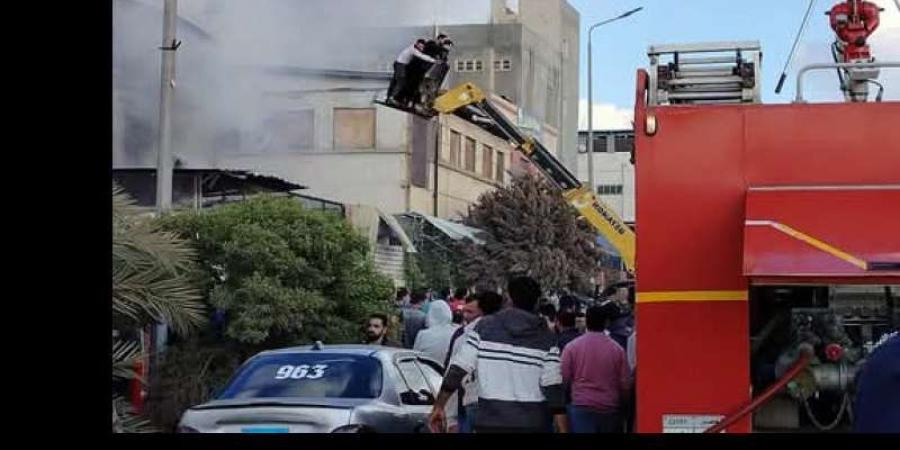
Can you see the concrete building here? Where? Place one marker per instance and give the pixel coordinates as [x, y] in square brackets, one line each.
[528, 54]
[613, 170]
[324, 128]
[302, 125]
[320, 128]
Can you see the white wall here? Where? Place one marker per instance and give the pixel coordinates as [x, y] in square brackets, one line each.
[612, 168]
[376, 179]
[376, 176]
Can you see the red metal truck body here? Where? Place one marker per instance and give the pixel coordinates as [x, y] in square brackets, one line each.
[732, 195]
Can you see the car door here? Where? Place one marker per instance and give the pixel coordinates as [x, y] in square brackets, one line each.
[418, 397]
[434, 373]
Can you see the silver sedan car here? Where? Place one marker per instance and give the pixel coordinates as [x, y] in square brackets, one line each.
[323, 389]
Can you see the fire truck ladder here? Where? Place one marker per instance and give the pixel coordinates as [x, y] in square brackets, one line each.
[467, 96]
[713, 72]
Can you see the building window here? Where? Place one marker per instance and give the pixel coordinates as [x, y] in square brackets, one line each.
[502, 65]
[469, 65]
[455, 148]
[354, 128]
[487, 162]
[470, 154]
[599, 143]
[291, 130]
[609, 189]
[501, 169]
[624, 143]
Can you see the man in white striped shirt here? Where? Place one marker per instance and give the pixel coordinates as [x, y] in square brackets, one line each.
[400, 66]
[518, 365]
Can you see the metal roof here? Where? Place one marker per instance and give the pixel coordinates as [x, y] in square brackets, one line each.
[259, 179]
[453, 230]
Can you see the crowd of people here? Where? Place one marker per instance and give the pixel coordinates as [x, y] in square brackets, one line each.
[519, 363]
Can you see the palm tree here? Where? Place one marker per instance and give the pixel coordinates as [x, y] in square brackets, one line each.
[154, 281]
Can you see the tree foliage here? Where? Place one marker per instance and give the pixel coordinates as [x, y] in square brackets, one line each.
[282, 274]
[533, 231]
[153, 280]
[276, 275]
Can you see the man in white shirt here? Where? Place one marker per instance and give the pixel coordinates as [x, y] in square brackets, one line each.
[461, 411]
[400, 66]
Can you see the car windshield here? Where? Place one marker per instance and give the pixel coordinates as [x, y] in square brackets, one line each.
[315, 375]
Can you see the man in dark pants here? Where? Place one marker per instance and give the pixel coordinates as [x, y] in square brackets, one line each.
[567, 330]
[596, 369]
[436, 48]
[412, 318]
[401, 67]
[512, 344]
[548, 312]
[439, 49]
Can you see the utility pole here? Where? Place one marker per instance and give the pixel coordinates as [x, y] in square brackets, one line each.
[590, 105]
[164, 162]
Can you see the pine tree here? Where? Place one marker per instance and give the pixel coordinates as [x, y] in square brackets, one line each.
[532, 231]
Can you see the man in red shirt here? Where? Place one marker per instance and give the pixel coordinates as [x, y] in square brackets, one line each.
[458, 301]
[594, 367]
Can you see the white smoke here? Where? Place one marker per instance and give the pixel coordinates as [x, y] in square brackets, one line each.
[227, 46]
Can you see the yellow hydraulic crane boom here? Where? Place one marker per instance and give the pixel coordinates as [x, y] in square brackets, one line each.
[582, 198]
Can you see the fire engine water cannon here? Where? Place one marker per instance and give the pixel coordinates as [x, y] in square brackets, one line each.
[853, 22]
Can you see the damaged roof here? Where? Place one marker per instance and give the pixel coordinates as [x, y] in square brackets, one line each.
[453, 230]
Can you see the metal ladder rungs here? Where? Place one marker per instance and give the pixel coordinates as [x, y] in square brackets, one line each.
[705, 80]
[730, 95]
[709, 60]
[711, 72]
[707, 88]
[705, 69]
[707, 74]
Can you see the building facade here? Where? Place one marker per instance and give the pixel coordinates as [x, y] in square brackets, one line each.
[613, 170]
[528, 55]
[323, 127]
[320, 128]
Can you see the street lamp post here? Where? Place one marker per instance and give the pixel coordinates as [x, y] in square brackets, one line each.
[590, 117]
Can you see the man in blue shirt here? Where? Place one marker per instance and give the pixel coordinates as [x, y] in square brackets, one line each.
[877, 405]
